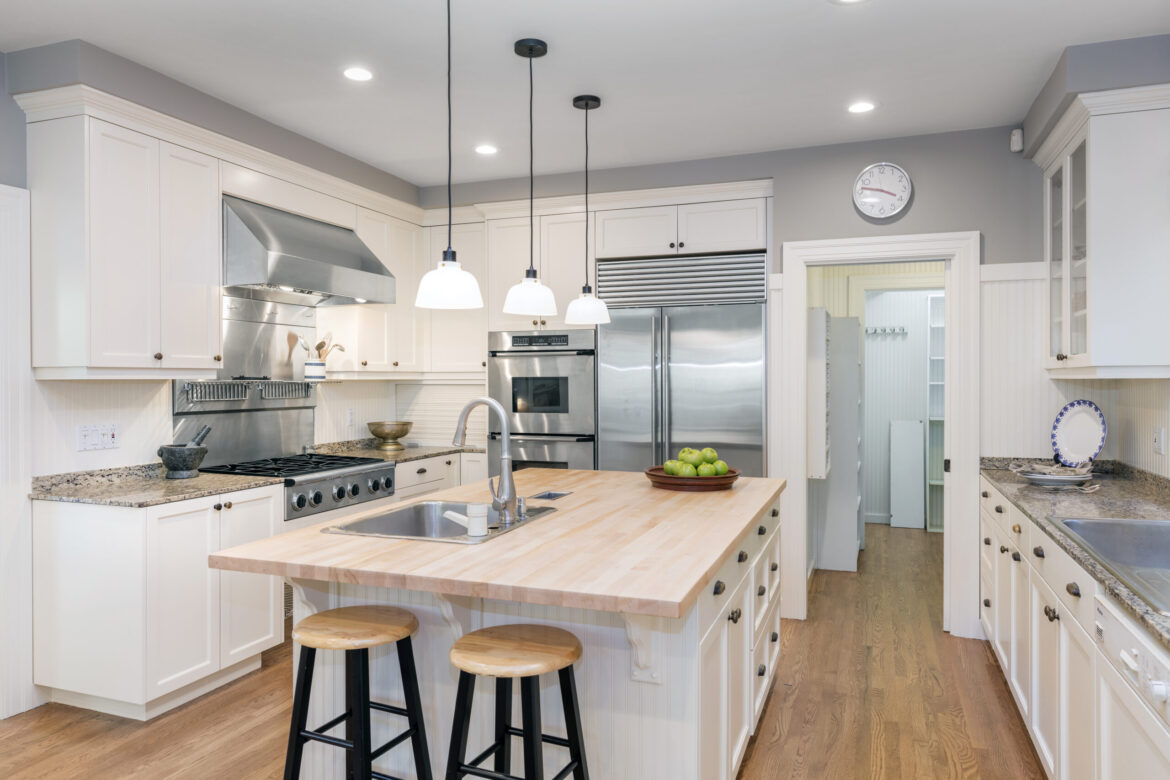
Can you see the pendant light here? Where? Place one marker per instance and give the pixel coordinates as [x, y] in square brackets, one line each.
[448, 286]
[587, 309]
[529, 297]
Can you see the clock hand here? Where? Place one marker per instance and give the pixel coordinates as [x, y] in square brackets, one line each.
[879, 189]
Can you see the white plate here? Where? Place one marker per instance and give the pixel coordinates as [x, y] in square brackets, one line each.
[1057, 480]
[1078, 433]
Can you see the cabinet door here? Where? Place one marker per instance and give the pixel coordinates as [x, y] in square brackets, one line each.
[1078, 711]
[739, 676]
[388, 332]
[182, 595]
[1021, 634]
[713, 681]
[725, 226]
[1045, 656]
[342, 325]
[189, 221]
[1054, 255]
[1003, 598]
[508, 250]
[457, 338]
[251, 606]
[1078, 257]
[473, 467]
[1133, 742]
[374, 339]
[644, 232]
[563, 261]
[123, 247]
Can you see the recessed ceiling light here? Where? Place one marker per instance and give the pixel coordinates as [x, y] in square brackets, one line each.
[486, 149]
[861, 107]
[846, 2]
[357, 74]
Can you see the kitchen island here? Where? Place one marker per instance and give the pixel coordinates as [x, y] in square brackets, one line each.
[673, 596]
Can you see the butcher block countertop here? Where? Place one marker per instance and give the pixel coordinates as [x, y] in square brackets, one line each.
[615, 544]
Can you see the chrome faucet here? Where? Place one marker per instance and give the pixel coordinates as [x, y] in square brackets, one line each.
[503, 499]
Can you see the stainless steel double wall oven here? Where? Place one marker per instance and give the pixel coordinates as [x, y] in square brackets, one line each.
[547, 381]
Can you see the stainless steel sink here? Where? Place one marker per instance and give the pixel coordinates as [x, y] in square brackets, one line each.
[425, 520]
[1136, 551]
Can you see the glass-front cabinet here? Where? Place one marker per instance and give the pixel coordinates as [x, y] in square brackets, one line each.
[1066, 258]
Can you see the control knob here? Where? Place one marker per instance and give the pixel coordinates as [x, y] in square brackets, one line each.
[316, 497]
[299, 502]
[354, 490]
[338, 492]
[374, 484]
[388, 483]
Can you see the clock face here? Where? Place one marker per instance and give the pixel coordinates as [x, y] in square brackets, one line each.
[882, 190]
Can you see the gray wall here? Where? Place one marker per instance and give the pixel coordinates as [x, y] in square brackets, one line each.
[12, 156]
[78, 62]
[966, 180]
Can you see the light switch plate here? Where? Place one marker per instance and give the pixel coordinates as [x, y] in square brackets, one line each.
[1158, 440]
[97, 436]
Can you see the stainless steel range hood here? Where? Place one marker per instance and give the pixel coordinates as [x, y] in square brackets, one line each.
[274, 255]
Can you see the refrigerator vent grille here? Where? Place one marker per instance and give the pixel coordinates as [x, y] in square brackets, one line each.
[679, 281]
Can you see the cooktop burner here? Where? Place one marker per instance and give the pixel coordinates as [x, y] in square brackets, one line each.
[290, 466]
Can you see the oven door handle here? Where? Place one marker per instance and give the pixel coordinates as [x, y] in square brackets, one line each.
[544, 353]
[551, 438]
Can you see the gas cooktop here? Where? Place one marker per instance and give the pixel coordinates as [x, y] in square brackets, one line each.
[290, 466]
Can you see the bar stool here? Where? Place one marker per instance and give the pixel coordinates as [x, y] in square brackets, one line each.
[355, 630]
[506, 652]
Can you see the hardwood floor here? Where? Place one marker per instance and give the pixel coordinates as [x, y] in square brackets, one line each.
[869, 686]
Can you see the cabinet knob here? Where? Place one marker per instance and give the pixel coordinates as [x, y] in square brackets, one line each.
[672, 245]
[1038, 551]
[227, 504]
[987, 540]
[1051, 614]
[985, 494]
[735, 615]
[217, 507]
[775, 636]
[987, 602]
[775, 513]
[1073, 589]
[219, 358]
[741, 557]
[422, 470]
[484, 364]
[1016, 557]
[395, 364]
[542, 322]
[365, 363]
[998, 509]
[1016, 529]
[158, 356]
[1002, 549]
[761, 590]
[762, 530]
[1061, 356]
[775, 567]
[448, 463]
[681, 244]
[719, 587]
[760, 670]
[535, 323]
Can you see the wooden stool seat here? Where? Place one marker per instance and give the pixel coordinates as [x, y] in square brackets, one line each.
[355, 628]
[517, 650]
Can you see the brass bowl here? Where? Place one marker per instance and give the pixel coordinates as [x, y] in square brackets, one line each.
[390, 432]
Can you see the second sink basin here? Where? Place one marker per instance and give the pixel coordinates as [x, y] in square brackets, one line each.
[1136, 551]
[425, 520]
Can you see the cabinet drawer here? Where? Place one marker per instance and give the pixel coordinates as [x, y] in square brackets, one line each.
[765, 657]
[1065, 577]
[993, 503]
[774, 568]
[987, 606]
[420, 472]
[714, 598]
[761, 593]
[987, 549]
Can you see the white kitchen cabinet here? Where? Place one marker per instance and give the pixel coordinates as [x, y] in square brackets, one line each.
[508, 253]
[563, 262]
[740, 677]
[128, 617]
[126, 253]
[726, 687]
[1134, 742]
[473, 467]
[426, 475]
[693, 228]
[1045, 672]
[1020, 676]
[713, 721]
[1078, 711]
[456, 339]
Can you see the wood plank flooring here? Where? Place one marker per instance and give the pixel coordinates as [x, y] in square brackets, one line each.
[869, 687]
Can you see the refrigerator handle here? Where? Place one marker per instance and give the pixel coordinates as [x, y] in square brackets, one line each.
[655, 419]
[665, 438]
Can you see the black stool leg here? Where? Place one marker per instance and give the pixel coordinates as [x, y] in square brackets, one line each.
[300, 714]
[357, 680]
[573, 723]
[414, 710]
[462, 724]
[530, 710]
[503, 760]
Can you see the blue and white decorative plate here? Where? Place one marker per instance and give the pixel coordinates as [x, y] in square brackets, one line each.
[1078, 433]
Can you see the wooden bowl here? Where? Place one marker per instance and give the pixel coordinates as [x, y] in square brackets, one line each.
[660, 479]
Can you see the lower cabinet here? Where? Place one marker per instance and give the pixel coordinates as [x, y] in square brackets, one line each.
[473, 467]
[1133, 743]
[1078, 738]
[1045, 663]
[426, 475]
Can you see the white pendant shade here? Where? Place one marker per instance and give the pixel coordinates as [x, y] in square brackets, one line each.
[531, 299]
[448, 287]
[587, 309]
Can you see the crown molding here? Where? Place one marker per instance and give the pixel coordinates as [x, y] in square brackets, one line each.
[1090, 104]
[84, 100]
[666, 196]
[460, 215]
[1066, 130]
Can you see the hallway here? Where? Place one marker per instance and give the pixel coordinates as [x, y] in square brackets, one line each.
[870, 685]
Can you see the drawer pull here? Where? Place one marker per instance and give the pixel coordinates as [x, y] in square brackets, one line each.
[719, 587]
[1016, 557]
[735, 615]
[1016, 529]
[987, 602]
[1038, 551]
[761, 590]
[1002, 549]
[158, 356]
[985, 494]
[762, 530]
[1073, 589]
[987, 540]
[227, 504]
[775, 636]
[1051, 614]
[741, 557]
[775, 513]
[218, 507]
[423, 470]
[998, 509]
[761, 670]
[448, 463]
[775, 567]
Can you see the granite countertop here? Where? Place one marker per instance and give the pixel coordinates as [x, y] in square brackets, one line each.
[137, 486]
[368, 448]
[1124, 493]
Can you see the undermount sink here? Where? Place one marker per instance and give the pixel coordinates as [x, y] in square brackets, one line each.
[1136, 551]
[425, 520]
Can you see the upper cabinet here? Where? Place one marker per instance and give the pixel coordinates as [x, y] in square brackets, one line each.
[693, 228]
[509, 243]
[1106, 233]
[126, 253]
[456, 339]
[563, 262]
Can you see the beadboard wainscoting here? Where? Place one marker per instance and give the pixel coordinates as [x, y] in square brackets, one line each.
[434, 410]
[1141, 406]
[344, 408]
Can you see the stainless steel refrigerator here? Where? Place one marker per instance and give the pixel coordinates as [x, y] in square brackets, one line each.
[676, 376]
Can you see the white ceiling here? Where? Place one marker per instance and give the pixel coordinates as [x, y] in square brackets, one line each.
[679, 79]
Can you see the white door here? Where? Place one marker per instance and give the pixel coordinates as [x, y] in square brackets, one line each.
[724, 226]
[457, 338]
[123, 248]
[562, 255]
[644, 232]
[713, 679]
[1134, 742]
[508, 250]
[1078, 711]
[182, 595]
[739, 676]
[388, 333]
[341, 325]
[907, 474]
[1046, 704]
[1021, 633]
[375, 338]
[1003, 604]
[189, 223]
[251, 606]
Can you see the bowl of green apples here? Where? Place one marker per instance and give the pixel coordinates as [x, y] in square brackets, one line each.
[693, 470]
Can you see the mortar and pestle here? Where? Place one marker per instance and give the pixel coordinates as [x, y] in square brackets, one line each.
[182, 460]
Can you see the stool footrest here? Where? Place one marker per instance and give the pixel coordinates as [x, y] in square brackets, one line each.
[471, 769]
[393, 743]
[377, 705]
[549, 738]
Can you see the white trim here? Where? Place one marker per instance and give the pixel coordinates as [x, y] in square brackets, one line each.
[664, 196]
[775, 281]
[1071, 124]
[961, 520]
[1110, 372]
[460, 215]
[1012, 272]
[80, 99]
[857, 286]
[1119, 101]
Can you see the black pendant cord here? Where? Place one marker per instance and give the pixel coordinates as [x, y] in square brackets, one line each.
[586, 289]
[449, 202]
[531, 178]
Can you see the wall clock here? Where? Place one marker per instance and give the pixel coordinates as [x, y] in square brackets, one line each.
[882, 190]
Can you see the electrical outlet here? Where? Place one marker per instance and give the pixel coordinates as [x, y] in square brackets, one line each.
[103, 436]
[349, 419]
[1158, 439]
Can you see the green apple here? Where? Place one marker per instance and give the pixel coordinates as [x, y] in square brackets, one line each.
[710, 455]
[670, 467]
[707, 470]
[686, 470]
[720, 467]
[693, 457]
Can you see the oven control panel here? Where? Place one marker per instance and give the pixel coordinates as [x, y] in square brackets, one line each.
[311, 495]
[542, 340]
